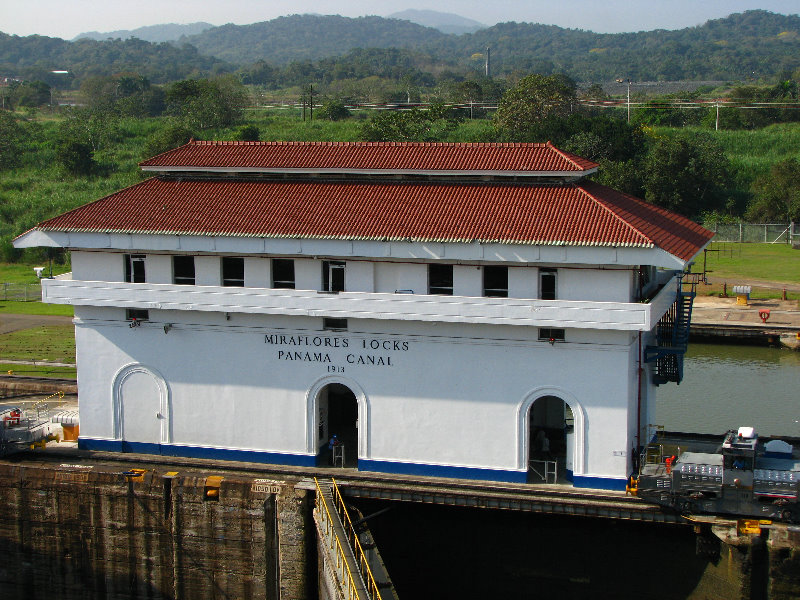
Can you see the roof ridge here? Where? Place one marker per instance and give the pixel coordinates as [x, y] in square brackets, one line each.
[605, 206]
[569, 157]
[194, 142]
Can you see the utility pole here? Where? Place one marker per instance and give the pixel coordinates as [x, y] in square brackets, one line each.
[629, 96]
[488, 69]
[629, 101]
[307, 98]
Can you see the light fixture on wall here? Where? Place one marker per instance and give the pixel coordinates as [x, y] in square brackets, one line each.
[167, 327]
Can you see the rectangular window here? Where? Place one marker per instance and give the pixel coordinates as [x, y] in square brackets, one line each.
[283, 273]
[547, 334]
[334, 324]
[232, 271]
[134, 268]
[183, 270]
[495, 282]
[332, 276]
[136, 314]
[440, 279]
[547, 284]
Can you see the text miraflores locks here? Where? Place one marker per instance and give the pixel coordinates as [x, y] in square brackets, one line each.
[336, 349]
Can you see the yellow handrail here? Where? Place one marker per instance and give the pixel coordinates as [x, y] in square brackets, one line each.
[350, 583]
[350, 531]
[372, 586]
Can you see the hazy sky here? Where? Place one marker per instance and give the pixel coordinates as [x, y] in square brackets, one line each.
[68, 18]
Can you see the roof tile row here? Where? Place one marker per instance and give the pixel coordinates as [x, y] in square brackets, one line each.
[371, 156]
[576, 214]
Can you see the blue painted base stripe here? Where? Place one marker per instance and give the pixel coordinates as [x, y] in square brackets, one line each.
[382, 466]
[277, 458]
[104, 445]
[303, 460]
[599, 483]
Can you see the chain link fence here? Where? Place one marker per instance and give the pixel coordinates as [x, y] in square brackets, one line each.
[764, 233]
[20, 292]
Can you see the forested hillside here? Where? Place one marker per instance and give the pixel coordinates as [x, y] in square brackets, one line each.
[309, 37]
[168, 32]
[752, 46]
[34, 57]
[742, 46]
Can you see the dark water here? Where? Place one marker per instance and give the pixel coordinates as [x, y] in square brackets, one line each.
[452, 552]
[725, 387]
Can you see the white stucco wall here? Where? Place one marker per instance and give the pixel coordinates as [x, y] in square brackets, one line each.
[451, 395]
[98, 266]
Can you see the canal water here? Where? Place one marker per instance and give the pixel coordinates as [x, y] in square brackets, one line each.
[450, 552]
[725, 387]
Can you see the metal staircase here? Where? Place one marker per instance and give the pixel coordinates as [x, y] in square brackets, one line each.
[672, 333]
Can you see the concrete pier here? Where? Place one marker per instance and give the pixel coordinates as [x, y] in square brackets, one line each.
[723, 319]
[78, 525]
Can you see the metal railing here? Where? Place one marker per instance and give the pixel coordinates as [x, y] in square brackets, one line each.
[351, 590]
[20, 292]
[546, 470]
[355, 544]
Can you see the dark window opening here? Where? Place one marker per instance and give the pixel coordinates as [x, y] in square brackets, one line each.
[334, 324]
[283, 273]
[333, 276]
[183, 270]
[440, 279]
[547, 284]
[134, 268]
[137, 314]
[232, 271]
[495, 282]
[547, 334]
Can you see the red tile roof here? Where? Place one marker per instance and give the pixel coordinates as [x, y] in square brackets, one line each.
[586, 213]
[511, 159]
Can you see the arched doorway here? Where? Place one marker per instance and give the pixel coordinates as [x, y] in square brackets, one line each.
[551, 441]
[337, 410]
[141, 409]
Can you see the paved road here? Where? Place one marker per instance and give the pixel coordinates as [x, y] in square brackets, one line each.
[9, 322]
[711, 309]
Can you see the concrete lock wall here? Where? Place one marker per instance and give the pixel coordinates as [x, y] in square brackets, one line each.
[71, 532]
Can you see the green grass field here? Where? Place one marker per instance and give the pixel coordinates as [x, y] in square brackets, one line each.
[765, 262]
[36, 308]
[54, 343]
[38, 371]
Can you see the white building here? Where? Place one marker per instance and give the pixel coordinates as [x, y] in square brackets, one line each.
[442, 308]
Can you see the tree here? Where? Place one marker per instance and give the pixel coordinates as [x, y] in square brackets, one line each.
[97, 128]
[12, 135]
[532, 100]
[171, 136]
[76, 157]
[333, 109]
[248, 133]
[126, 94]
[30, 94]
[685, 175]
[206, 103]
[777, 195]
[406, 126]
